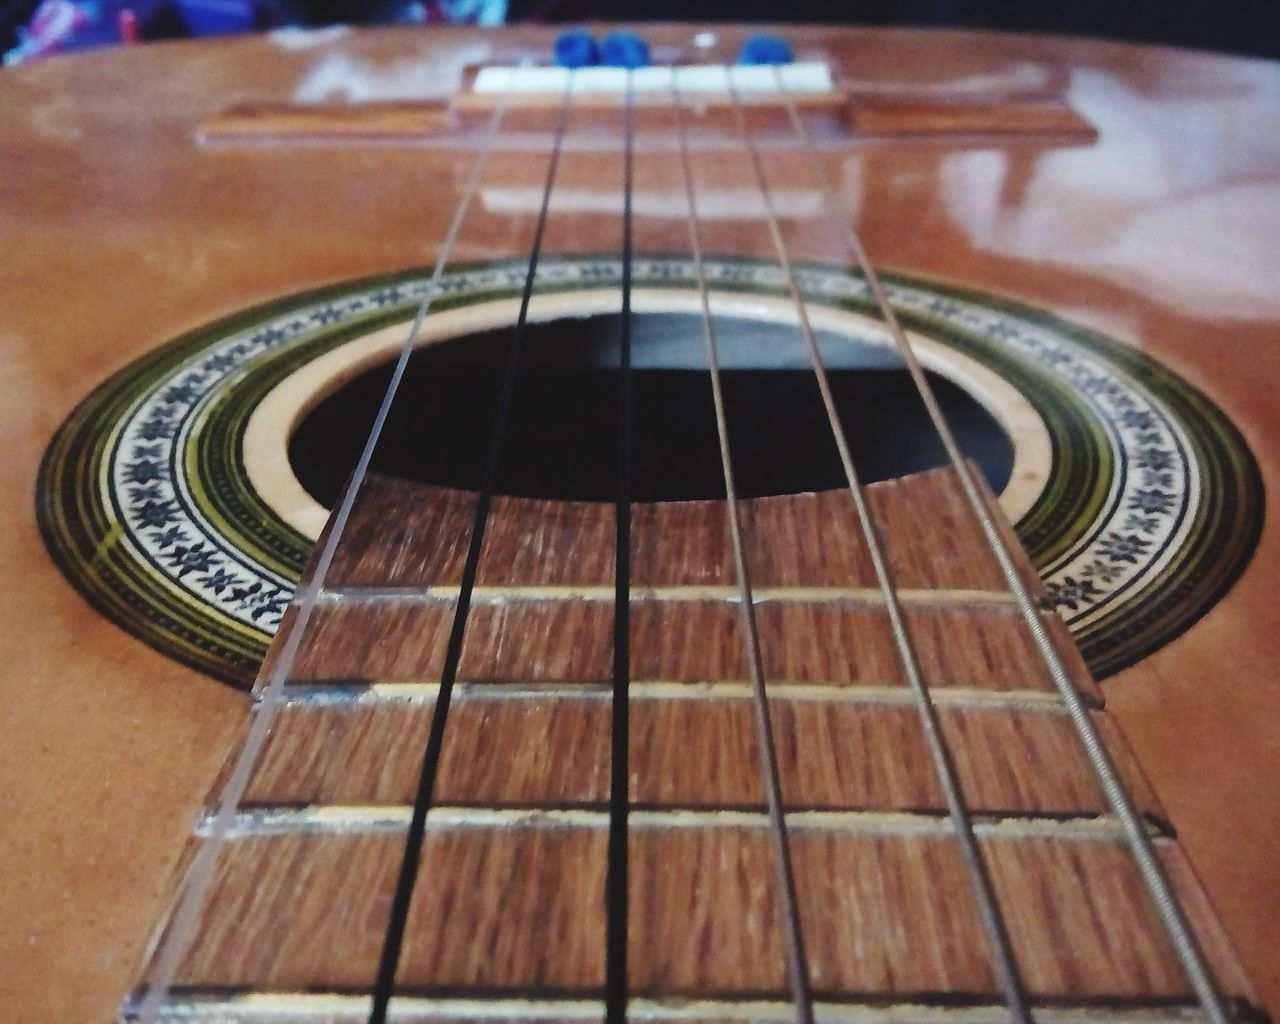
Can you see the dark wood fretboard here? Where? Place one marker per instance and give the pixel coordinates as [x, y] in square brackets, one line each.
[508, 918]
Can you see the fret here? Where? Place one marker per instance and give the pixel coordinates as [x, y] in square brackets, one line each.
[317, 819]
[390, 596]
[291, 1007]
[342, 691]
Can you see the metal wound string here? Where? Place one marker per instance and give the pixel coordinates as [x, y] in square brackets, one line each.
[619, 771]
[179, 930]
[1161, 892]
[389, 961]
[984, 895]
[797, 962]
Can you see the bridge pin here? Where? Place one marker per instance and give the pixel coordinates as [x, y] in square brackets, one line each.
[576, 49]
[765, 50]
[624, 50]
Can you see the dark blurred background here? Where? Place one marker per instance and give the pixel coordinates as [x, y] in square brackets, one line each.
[1235, 26]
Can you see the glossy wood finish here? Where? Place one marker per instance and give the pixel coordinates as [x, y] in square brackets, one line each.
[119, 234]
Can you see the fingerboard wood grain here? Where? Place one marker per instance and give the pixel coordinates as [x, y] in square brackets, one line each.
[508, 918]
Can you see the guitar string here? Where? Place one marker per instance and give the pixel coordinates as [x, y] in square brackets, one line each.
[178, 931]
[202, 865]
[406, 881]
[979, 874]
[797, 962]
[1159, 889]
[619, 770]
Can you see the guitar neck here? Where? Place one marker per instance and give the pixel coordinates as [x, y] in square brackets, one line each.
[508, 919]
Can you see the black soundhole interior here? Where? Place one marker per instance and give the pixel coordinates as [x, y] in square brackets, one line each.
[561, 440]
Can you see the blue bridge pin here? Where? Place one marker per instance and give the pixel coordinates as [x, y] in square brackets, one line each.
[576, 50]
[765, 50]
[624, 50]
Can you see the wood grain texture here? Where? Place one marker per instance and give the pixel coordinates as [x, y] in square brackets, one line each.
[686, 641]
[509, 899]
[700, 750]
[516, 910]
[404, 536]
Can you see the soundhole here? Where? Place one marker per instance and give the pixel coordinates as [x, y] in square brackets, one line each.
[561, 438]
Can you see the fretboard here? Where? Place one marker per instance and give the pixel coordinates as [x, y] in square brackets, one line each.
[508, 918]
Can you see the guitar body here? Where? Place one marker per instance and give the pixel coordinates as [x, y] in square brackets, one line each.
[1157, 235]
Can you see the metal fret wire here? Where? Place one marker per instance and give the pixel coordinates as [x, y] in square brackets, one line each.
[619, 733]
[797, 963]
[988, 910]
[1161, 892]
[178, 931]
[389, 963]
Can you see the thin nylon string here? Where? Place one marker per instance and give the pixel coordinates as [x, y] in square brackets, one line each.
[797, 961]
[619, 771]
[1161, 892]
[388, 963]
[180, 929]
[979, 875]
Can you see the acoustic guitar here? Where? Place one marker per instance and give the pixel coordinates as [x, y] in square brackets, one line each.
[679, 527]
